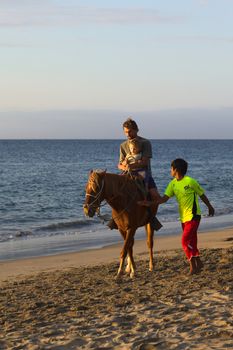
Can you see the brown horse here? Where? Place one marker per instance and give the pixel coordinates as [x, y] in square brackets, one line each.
[122, 193]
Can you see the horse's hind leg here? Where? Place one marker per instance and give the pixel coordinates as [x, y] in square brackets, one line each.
[127, 249]
[128, 267]
[150, 244]
[131, 266]
[123, 256]
[131, 259]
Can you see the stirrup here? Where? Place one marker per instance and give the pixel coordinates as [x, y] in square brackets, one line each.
[155, 224]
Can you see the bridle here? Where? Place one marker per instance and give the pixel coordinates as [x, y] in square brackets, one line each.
[98, 205]
[96, 197]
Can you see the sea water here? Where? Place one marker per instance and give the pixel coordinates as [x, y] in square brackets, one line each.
[42, 191]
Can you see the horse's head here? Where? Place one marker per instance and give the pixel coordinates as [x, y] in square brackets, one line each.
[94, 192]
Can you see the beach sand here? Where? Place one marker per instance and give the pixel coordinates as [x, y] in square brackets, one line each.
[73, 301]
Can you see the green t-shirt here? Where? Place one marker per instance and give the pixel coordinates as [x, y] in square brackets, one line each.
[186, 191]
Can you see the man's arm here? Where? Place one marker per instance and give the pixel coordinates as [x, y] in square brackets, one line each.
[207, 203]
[123, 166]
[141, 163]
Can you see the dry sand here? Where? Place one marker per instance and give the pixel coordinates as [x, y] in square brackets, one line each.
[72, 301]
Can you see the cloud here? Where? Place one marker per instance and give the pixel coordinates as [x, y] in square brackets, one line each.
[14, 45]
[208, 2]
[192, 39]
[203, 2]
[48, 13]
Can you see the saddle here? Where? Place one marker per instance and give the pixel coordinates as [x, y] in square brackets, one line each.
[140, 183]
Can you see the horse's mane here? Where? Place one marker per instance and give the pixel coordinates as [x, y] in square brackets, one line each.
[124, 183]
[122, 178]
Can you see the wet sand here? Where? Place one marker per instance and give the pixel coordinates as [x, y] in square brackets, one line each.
[73, 301]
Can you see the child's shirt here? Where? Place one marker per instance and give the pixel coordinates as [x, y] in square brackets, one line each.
[186, 191]
[146, 150]
[132, 158]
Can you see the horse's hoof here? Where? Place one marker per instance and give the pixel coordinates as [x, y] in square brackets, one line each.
[119, 275]
[127, 269]
[118, 278]
[132, 275]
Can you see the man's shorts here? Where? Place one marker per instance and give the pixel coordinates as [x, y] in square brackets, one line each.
[148, 179]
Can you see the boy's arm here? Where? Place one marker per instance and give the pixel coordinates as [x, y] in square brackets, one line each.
[162, 200]
[207, 203]
[156, 202]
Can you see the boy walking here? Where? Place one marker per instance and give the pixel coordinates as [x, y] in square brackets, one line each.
[186, 190]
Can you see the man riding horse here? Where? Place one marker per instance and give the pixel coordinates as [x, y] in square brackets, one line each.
[130, 129]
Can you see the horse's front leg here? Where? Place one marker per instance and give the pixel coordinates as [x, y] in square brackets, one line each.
[150, 244]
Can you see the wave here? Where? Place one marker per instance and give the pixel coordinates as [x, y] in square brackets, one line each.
[223, 211]
[49, 230]
[67, 225]
[223, 216]
[17, 235]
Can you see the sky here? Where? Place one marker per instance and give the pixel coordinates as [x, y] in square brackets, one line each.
[78, 69]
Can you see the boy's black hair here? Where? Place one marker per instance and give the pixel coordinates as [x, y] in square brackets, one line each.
[180, 165]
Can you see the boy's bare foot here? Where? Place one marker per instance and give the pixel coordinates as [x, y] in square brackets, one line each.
[193, 266]
[196, 265]
[145, 203]
[199, 263]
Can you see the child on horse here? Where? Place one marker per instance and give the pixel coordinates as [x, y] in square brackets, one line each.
[135, 155]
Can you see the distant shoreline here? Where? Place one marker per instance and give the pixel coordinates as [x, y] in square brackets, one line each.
[120, 140]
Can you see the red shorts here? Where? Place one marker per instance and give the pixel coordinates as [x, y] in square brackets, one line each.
[189, 238]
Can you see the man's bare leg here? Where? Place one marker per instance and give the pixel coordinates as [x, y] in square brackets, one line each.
[154, 194]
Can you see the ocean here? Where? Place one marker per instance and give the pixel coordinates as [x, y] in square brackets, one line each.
[42, 191]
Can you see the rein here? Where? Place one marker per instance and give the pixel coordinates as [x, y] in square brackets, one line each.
[98, 205]
[114, 197]
[127, 206]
